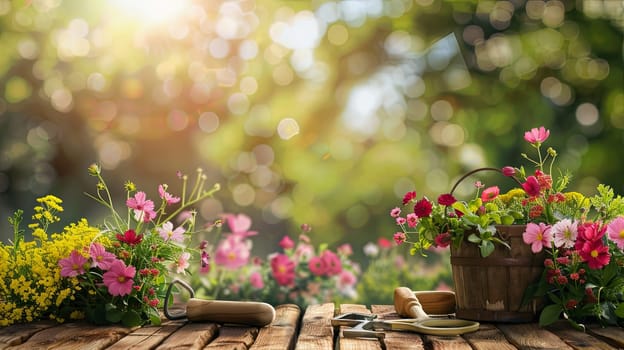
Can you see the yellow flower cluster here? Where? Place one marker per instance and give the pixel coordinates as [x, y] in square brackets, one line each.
[31, 286]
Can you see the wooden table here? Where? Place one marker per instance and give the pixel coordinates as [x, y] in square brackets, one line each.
[292, 330]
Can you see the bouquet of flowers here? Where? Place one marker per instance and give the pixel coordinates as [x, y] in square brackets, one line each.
[583, 236]
[116, 273]
[298, 273]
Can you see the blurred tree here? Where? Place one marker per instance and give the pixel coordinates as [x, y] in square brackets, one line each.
[318, 112]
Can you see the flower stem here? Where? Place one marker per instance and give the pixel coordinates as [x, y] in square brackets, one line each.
[479, 170]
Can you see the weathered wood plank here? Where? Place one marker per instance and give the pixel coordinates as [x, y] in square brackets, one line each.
[531, 336]
[577, 339]
[148, 337]
[74, 336]
[488, 337]
[612, 335]
[19, 333]
[397, 340]
[437, 342]
[316, 331]
[280, 334]
[356, 343]
[234, 337]
[191, 336]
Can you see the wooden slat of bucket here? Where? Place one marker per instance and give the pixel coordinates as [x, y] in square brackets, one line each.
[317, 332]
[191, 336]
[280, 334]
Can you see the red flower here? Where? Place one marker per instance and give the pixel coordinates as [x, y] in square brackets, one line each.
[596, 254]
[446, 199]
[490, 193]
[508, 171]
[283, 269]
[130, 237]
[443, 240]
[409, 196]
[531, 186]
[423, 208]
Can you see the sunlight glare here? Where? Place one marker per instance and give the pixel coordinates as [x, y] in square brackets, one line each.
[152, 11]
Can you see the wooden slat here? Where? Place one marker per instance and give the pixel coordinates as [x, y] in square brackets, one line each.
[488, 337]
[234, 337]
[191, 336]
[613, 335]
[436, 342]
[19, 333]
[280, 334]
[74, 336]
[397, 340]
[316, 330]
[148, 337]
[356, 343]
[531, 336]
[577, 339]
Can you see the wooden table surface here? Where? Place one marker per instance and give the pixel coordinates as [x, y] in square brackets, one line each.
[292, 330]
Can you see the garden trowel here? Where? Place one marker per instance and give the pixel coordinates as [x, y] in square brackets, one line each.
[250, 313]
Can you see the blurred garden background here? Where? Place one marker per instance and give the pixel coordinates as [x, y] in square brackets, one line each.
[306, 112]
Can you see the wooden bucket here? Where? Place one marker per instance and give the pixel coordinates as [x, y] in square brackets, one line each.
[491, 289]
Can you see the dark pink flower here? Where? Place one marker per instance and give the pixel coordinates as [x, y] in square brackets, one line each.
[595, 253]
[384, 243]
[283, 270]
[399, 238]
[119, 278]
[130, 237]
[508, 171]
[286, 243]
[537, 136]
[423, 208]
[408, 197]
[531, 186]
[443, 240]
[332, 263]
[255, 280]
[446, 199]
[317, 266]
[490, 193]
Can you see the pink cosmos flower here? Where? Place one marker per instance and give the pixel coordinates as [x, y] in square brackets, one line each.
[119, 278]
[538, 236]
[589, 232]
[167, 233]
[423, 208]
[615, 231]
[345, 249]
[166, 196]
[595, 253]
[283, 269]
[346, 279]
[399, 238]
[255, 280]
[286, 243]
[537, 136]
[100, 257]
[240, 224]
[143, 208]
[233, 252]
[531, 186]
[395, 212]
[401, 220]
[182, 263]
[73, 265]
[412, 220]
[317, 266]
[565, 232]
[490, 193]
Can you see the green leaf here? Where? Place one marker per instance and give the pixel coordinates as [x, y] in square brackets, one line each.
[487, 248]
[507, 219]
[619, 310]
[474, 238]
[549, 315]
[113, 315]
[131, 319]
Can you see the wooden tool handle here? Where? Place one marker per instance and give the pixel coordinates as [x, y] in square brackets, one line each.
[407, 305]
[220, 311]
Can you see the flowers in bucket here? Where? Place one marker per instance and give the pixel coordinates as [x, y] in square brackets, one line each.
[298, 272]
[116, 273]
[584, 272]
